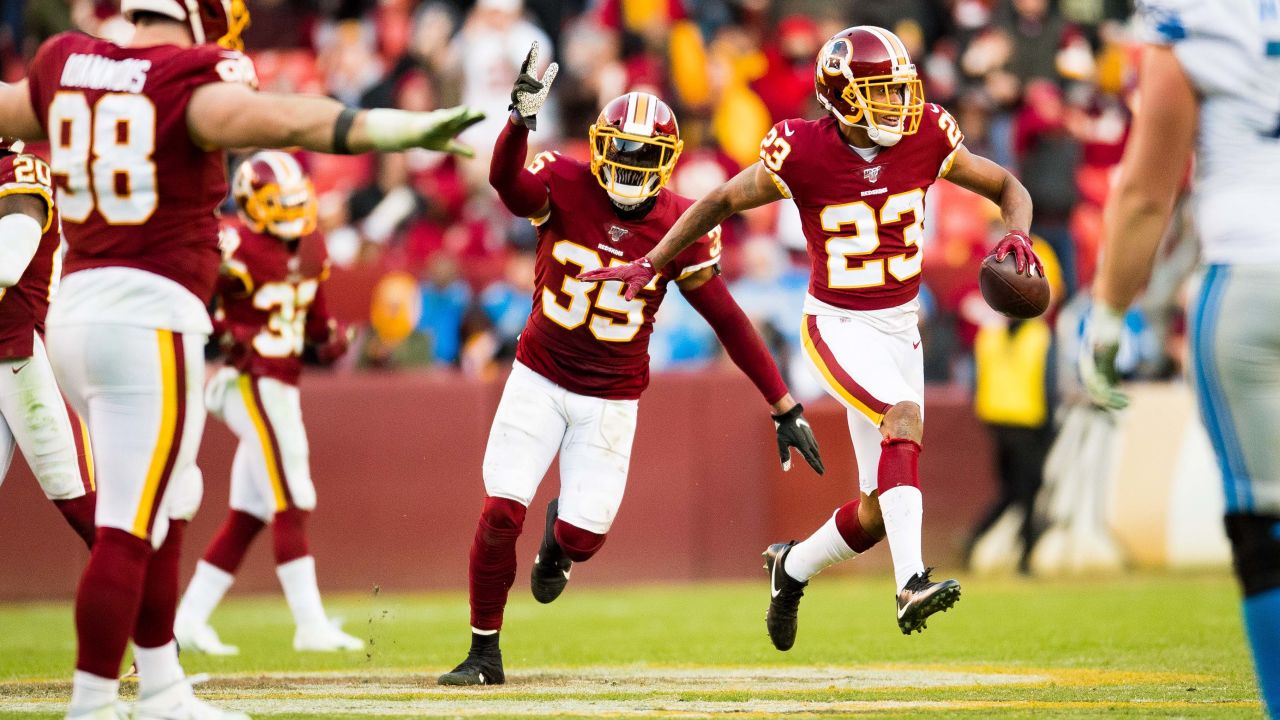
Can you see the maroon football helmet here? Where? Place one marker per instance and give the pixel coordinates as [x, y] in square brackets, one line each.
[211, 21]
[634, 147]
[274, 195]
[865, 78]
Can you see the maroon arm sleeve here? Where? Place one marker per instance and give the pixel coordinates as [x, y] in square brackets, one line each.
[519, 189]
[739, 338]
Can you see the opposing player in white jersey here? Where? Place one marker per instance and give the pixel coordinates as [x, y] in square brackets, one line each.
[33, 415]
[136, 132]
[1210, 82]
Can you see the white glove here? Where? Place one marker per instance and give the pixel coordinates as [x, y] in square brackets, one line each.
[401, 129]
[1097, 360]
[529, 93]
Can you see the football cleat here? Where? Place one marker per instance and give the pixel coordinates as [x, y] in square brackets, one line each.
[203, 639]
[326, 636]
[922, 598]
[179, 702]
[477, 669]
[115, 711]
[784, 597]
[550, 568]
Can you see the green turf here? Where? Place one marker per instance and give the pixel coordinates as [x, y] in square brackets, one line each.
[1145, 646]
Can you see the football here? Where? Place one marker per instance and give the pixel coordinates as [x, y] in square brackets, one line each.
[1010, 293]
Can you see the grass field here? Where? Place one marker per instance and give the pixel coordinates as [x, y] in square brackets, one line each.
[1167, 646]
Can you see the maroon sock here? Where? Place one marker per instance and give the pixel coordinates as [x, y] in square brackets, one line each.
[289, 533]
[899, 464]
[851, 529]
[578, 544]
[79, 515]
[160, 594]
[492, 568]
[232, 541]
[107, 600]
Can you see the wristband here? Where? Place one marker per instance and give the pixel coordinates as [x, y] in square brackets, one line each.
[341, 129]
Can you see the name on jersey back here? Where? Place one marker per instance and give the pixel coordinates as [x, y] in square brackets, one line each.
[94, 72]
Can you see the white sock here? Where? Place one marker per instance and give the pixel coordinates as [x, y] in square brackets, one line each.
[89, 692]
[158, 668]
[208, 586]
[298, 578]
[824, 548]
[902, 508]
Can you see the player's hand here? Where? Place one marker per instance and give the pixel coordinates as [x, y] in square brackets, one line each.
[530, 93]
[1097, 359]
[336, 346]
[1019, 244]
[794, 432]
[634, 275]
[400, 130]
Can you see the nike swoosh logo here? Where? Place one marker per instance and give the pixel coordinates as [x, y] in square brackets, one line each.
[915, 345]
[901, 610]
[773, 577]
[19, 369]
[787, 129]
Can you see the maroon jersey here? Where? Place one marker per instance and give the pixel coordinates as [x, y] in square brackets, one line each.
[24, 305]
[132, 186]
[584, 336]
[271, 300]
[863, 220]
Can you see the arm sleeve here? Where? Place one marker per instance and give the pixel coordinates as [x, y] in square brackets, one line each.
[519, 189]
[744, 345]
[319, 320]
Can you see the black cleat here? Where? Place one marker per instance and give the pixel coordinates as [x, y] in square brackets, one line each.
[922, 598]
[477, 669]
[551, 567]
[784, 597]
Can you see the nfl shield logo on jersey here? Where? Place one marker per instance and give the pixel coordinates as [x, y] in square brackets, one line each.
[616, 233]
[871, 174]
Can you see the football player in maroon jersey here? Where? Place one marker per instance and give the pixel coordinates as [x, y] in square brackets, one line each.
[582, 361]
[859, 178]
[33, 415]
[135, 135]
[271, 305]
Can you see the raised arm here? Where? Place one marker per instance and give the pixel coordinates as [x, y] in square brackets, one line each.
[231, 115]
[519, 189]
[988, 179]
[707, 293]
[748, 189]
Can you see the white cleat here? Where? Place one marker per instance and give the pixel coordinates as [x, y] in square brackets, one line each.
[202, 639]
[114, 711]
[179, 702]
[324, 637]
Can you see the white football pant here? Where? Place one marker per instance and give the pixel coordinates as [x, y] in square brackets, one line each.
[34, 417]
[138, 390]
[536, 419]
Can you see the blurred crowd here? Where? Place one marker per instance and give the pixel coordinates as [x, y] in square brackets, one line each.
[438, 274]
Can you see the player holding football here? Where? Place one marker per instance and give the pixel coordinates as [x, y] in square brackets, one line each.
[859, 179]
[1210, 83]
[135, 132]
[582, 361]
[271, 303]
[33, 415]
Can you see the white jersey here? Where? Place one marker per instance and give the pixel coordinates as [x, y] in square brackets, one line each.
[1230, 50]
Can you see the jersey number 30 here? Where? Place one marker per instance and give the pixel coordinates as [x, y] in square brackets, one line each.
[104, 152]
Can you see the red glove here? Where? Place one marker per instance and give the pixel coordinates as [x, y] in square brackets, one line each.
[335, 347]
[1017, 242]
[635, 275]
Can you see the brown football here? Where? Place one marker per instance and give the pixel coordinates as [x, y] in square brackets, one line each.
[1011, 294]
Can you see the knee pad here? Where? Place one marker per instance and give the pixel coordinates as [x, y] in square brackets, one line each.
[289, 531]
[502, 517]
[1255, 542]
[578, 544]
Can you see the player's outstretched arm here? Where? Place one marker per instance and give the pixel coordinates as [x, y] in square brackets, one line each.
[1152, 170]
[748, 189]
[986, 178]
[231, 115]
[707, 293]
[17, 117]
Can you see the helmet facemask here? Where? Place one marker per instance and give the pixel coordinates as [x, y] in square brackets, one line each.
[284, 213]
[237, 22]
[889, 106]
[632, 168]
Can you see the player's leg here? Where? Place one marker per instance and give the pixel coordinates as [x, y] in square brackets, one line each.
[43, 428]
[1236, 367]
[526, 433]
[594, 458]
[276, 412]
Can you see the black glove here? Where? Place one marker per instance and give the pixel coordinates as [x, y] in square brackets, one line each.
[529, 93]
[794, 432]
